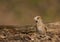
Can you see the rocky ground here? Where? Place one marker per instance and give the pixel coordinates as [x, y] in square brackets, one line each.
[28, 33]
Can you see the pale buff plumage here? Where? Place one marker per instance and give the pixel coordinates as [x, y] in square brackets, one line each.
[40, 25]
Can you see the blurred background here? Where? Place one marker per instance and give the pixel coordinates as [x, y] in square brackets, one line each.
[22, 12]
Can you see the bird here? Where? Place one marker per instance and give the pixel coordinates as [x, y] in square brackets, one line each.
[41, 28]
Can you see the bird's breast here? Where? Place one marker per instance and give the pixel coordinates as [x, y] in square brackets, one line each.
[41, 28]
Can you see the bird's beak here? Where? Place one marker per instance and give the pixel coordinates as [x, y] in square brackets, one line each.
[36, 21]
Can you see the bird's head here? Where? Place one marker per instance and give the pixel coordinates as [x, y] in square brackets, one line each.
[37, 18]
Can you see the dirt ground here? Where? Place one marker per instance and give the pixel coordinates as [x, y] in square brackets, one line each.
[28, 33]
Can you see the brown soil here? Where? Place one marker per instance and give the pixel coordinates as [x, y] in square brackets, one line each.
[28, 33]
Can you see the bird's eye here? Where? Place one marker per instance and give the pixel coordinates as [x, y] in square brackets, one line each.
[38, 18]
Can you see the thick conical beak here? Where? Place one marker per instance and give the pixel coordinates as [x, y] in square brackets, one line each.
[36, 21]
